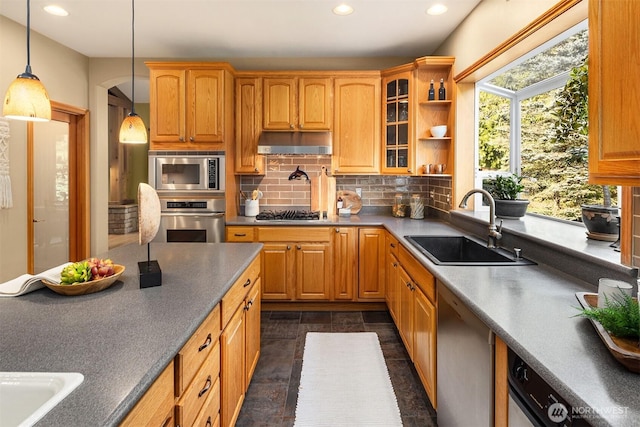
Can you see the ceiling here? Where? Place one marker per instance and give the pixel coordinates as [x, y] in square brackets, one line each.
[214, 29]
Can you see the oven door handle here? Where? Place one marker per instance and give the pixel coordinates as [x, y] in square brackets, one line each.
[194, 214]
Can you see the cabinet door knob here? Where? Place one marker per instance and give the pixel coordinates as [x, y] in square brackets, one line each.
[337, 230]
[191, 139]
[301, 125]
[291, 126]
[181, 139]
[288, 247]
[298, 247]
[256, 170]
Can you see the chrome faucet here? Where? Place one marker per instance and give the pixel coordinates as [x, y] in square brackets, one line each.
[494, 232]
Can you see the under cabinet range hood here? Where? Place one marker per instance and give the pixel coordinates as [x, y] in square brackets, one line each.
[272, 142]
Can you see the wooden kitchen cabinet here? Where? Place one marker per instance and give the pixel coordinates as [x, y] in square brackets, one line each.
[391, 288]
[356, 128]
[248, 126]
[297, 263]
[155, 408]
[397, 107]
[191, 105]
[614, 91]
[345, 263]
[408, 114]
[424, 342]
[405, 294]
[372, 266]
[239, 341]
[297, 103]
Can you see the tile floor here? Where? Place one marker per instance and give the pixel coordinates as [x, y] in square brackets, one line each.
[272, 395]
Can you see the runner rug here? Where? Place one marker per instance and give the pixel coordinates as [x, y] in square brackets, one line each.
[345, 382]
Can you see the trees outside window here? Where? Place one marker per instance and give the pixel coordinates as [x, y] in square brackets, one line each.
[517, 115]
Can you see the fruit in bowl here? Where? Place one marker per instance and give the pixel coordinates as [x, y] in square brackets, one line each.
[86, 277]
[87, 270]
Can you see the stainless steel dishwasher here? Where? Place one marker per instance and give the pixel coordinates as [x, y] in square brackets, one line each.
[465, 365]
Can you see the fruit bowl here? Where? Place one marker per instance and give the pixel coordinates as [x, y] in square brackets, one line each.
[89, 287]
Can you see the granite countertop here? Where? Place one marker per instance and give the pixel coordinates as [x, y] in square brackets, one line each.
[532, 308]
[122, 338]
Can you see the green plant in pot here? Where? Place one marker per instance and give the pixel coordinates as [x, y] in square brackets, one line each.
[572, 131]
[506, 190]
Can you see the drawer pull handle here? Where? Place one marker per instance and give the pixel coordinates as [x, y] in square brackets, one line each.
[240, 234]
[395, 265]
[208, 423]
[393, 245]
[206, 388]
[247, 283]
[206, 344]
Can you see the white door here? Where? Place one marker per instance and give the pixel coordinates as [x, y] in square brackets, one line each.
[50, 194]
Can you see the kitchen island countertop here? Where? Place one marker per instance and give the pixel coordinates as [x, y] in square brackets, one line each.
[122, 338]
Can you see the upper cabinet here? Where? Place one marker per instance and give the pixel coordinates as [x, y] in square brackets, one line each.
[297, 103]
[398, 142]
[614, 93]
[248, 125]
[356, 128]
[410, 111]
[191, 105]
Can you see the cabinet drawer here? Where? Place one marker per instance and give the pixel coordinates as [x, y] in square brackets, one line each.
[239, 290]
[210, 414]
[196, 350]
[240, 234]
[420, 275]
[155, 407]
[203, 385]
[294, 234]
[392, 244]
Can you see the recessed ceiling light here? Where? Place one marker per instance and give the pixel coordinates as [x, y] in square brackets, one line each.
[437, 9]
[56, 10]
[343, 9]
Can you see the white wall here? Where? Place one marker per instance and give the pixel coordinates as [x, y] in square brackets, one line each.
[64, 73]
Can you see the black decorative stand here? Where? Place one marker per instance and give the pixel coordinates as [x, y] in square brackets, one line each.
[150, 273]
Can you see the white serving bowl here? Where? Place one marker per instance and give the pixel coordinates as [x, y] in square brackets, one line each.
[439, 131]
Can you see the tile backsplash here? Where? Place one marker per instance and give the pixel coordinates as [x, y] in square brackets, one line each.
[378, 191]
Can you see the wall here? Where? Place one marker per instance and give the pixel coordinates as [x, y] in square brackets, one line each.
[378, 191]
[65, 74]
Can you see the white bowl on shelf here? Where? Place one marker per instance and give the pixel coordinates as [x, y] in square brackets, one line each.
[438, 131]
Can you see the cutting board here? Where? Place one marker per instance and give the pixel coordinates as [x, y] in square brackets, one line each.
[315, 193]
[350, 198]
[331, 195]
[323, 193]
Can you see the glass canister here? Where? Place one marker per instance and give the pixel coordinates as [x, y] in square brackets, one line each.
[417, 207]
[399, 206]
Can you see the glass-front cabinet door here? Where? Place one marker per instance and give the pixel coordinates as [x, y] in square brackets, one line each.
[397, 139]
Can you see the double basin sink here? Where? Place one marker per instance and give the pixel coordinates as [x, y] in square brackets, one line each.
[462, 250]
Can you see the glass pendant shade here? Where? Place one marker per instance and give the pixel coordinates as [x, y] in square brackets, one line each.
[27, 99]
[132, 130]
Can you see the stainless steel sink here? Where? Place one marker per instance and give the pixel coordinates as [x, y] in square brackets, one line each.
[462, 250]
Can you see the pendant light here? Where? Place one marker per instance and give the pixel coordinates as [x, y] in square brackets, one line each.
[133, 130]
[27, 98]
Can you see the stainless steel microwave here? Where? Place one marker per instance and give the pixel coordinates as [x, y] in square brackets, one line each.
[175, 172]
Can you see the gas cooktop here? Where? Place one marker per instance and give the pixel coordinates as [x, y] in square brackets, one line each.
[288, 215]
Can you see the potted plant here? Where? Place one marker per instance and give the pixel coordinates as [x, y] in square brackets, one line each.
[506, 190]
[572, 131]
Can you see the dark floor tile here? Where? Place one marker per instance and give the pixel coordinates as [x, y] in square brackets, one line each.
[276, 359]
[419, 421]
[279, 329]
[376, 317]
[346, 317]
[412, 399]
[292, 392]
[285, 315]
[347, 327]
[315, 317]
[266, 399]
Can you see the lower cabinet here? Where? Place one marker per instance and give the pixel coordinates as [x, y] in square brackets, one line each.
[155, 408]
[206, 382]
[371, 257]
[239, 342]
[345, 263]
[411, 298]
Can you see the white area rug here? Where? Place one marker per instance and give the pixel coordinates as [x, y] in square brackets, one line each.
[345, 382]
